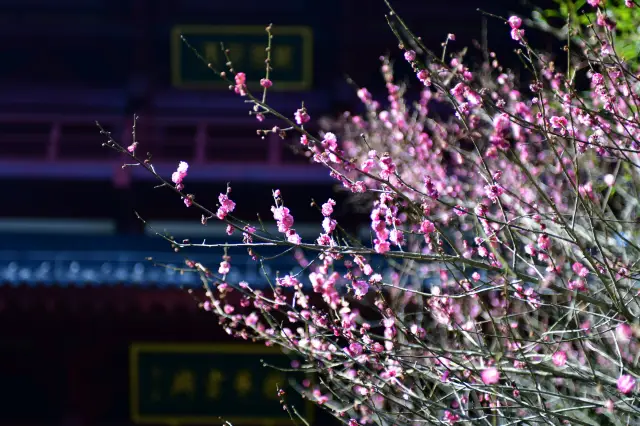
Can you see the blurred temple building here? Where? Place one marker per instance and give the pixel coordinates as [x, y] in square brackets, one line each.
[91, 332]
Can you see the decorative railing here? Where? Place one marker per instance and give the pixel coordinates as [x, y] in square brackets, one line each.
[223, 148]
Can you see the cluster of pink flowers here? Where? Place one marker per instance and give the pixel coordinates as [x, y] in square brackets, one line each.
[451, 418]
[384, 215]
[490, 376]
[284, 220]
[266, 83]
[515, 23]
[499, 274]
[328, 224]
[226, 205]
[302, 116]
[178, 176]
[559, 358]
[463, 93]
[241, 84]
[225, 266]
[360, 288]
[626, 384]
[132, 148]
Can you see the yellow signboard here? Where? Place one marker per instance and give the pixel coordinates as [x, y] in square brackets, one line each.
[199, 383]
[291, 55]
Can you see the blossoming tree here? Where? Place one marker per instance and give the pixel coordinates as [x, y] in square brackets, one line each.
[508, 229]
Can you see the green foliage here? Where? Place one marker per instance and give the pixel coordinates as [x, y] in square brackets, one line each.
[627, 37]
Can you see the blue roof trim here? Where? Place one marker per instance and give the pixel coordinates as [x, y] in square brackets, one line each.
[104, 260]
[116, 259]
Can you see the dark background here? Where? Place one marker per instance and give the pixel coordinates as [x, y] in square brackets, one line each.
[76, 291]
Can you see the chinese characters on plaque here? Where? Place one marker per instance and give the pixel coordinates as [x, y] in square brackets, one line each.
[197, 383]
[291, 55]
